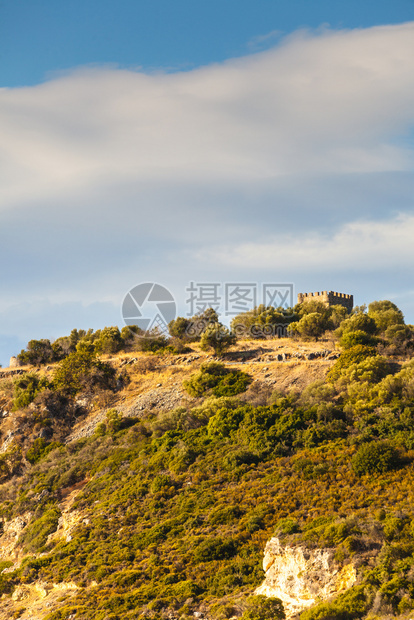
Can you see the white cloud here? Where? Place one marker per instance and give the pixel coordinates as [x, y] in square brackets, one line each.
[335, 102]
[367, 246]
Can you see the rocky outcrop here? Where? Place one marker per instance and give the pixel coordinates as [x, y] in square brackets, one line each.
[40, 590]
[301, 577]
[6, 374]
[36, 601]
[11, 531]
[155, 400]
[67, 523]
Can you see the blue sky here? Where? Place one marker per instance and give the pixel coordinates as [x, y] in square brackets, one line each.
[205, 141]
[39, 37]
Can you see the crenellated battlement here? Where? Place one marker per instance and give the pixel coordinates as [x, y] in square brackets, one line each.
[330, 298]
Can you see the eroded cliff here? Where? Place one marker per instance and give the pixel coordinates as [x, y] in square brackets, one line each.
[301, 577]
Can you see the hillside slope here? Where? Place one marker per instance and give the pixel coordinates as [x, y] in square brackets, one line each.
[142, 500]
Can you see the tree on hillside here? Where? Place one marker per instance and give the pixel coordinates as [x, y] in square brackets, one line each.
[385, 314]
[179, 327]
[337, 315]
[108, 340]
[262, 322]
[357, 322]
[192, 328]
[217, 337]
[40, 352]
[82, 370]
[309, 307]
[311, 325]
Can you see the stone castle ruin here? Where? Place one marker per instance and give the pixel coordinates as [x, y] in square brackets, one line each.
[328, 298]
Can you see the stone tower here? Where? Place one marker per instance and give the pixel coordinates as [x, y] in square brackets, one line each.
[329, 298]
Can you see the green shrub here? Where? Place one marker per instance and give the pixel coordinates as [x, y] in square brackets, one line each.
[262, 322]
[180, 328]
[5, 564]
[215, 378]
[399, 334]
[81, 370]
[10, 462]
[223, 611]
[358, 337]
[311, 307]
[7, 582]
[287, 526]
[234, 459]
[214, 548]
[358, 321]
[227, 514]
[192, 328]
[392, 527]
[40, 352]
[309, 469]
[27, 387]
[327, 531]
[39, 449]
[224, 421]
[385, 314]
[264, 608]
[108, 340]
[217, 337]
[233, 383]
[338, 314]
[185, 589]
[352, 604]
[360, 379]
[312, 326]
[114, 422]
[152, 343]
[161, 482]
[129, 336]
[36, 533]
[376, 457]
[255, 519]
[354, 355]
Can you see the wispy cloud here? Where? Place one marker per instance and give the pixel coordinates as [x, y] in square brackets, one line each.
[263, 41]
[367, 246]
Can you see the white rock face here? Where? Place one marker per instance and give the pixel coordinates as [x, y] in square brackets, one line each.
[66, 524]
[9, 547]
[301, 577]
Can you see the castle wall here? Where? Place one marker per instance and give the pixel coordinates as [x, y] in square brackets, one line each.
[329, 298]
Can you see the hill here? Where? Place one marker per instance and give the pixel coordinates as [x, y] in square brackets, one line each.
[148, 485]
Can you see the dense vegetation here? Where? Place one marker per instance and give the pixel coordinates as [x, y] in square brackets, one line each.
[176, 507]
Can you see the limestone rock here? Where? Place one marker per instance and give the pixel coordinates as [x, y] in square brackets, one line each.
[68, 521]
[302, 577]
[27, 591]
[9, 547]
